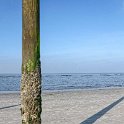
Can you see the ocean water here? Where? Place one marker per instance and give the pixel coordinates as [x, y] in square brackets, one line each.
[11, 82]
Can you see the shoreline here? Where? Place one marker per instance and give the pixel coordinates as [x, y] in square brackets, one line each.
[67, 90]
[87, 89]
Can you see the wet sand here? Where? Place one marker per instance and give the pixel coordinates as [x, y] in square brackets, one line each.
[99, 106]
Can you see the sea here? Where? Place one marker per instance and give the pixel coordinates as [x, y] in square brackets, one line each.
[66, 81]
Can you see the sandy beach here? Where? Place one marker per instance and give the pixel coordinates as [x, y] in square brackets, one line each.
[99, 106]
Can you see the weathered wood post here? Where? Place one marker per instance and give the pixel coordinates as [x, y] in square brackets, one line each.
[31, 68]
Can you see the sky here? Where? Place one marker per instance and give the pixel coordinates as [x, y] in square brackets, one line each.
[77, 36]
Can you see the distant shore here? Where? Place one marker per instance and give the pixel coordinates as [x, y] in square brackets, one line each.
[87, 106]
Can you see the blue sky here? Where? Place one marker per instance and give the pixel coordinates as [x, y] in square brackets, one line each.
[76, 36]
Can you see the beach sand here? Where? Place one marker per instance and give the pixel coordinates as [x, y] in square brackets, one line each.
[99, 106]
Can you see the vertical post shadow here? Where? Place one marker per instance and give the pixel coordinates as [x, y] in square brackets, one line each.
[99, 114]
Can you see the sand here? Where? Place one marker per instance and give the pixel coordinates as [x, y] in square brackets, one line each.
[99, 106]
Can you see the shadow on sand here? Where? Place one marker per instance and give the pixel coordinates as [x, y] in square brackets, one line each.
[99, 114]
[9, 106]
